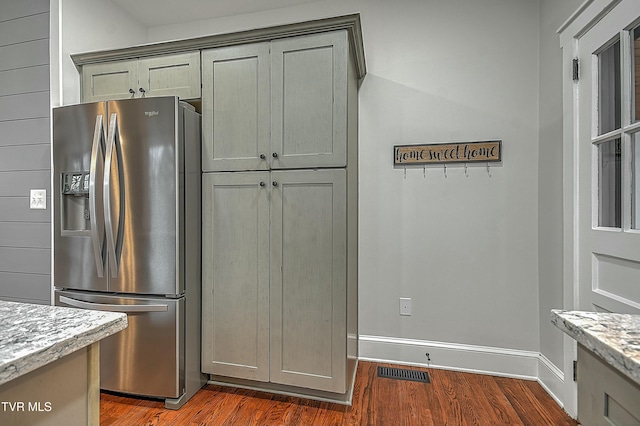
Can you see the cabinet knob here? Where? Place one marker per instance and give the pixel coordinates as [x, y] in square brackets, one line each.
[262, 156]
[274, 155]
[274, 183]
[262, 184]
[133, 92]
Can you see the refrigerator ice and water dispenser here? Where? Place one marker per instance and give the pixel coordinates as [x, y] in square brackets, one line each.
[75, 201]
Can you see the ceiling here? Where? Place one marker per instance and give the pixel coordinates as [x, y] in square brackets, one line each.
[153, 13]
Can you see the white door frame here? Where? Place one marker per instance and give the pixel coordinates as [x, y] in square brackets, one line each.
[583, 19]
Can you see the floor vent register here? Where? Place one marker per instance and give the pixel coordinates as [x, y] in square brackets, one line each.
[403, 374]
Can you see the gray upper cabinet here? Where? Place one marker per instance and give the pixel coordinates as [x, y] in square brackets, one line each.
[235, 108]
[176, 75]
[277, 105]
[114, 80]
[171, 75]
[309, 101]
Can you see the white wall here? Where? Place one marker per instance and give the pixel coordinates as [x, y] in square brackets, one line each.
[465, 249]
[79, 26]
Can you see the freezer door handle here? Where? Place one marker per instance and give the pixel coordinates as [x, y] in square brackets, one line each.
[113, 308]
[114, 236]
[97, 150]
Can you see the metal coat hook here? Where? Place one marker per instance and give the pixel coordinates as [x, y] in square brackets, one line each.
[424, 171]
[488, 170]
[405, 172]
[466, 172]
[445, 170]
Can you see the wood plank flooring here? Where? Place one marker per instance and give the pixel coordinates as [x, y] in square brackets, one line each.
[452, 398]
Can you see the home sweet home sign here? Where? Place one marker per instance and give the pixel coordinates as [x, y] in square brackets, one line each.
[460, 152]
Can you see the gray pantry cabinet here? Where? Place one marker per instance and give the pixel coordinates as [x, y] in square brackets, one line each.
[280, 162]
[279, 197]
[166, 75]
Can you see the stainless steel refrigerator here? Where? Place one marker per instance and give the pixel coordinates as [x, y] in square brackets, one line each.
[127, 237]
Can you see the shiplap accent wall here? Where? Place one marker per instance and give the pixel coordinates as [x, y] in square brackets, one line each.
[25, 150]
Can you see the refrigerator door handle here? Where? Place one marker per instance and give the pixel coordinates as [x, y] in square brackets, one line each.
[113, 241]
[96, 150]
[113, 308]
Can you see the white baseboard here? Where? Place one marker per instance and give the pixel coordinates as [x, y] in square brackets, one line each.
[551, 378]
[451, 356]
[514, 363]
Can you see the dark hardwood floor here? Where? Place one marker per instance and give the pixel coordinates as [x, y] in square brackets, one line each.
[452, 398]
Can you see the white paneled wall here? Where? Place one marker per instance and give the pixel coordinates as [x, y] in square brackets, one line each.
[25, 235]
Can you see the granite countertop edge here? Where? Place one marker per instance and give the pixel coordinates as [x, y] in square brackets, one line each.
[26, 344]
[613, 337]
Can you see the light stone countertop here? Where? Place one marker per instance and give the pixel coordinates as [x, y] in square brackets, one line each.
[613, 337]
[35, 335]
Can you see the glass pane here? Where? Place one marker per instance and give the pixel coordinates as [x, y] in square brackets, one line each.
[609, 184]
[636, 74]
[635, 181]
[609, 92]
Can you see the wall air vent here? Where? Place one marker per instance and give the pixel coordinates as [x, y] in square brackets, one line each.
[402, 374]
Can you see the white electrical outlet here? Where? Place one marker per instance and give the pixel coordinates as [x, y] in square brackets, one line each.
[38, 199]
[405, 306]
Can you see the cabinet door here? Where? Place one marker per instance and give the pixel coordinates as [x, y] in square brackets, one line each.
[235, 108]
[309, 100]
[170, 75]
[606, 397]
[235, 275]
[308, 279]
[109, 81]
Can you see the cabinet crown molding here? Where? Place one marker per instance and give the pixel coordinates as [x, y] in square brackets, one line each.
[350, 23]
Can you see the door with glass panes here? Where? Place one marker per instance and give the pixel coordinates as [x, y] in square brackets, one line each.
[608, 160]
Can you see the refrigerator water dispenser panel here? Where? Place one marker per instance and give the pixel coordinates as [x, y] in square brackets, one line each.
[76, 183]
[75, 201]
